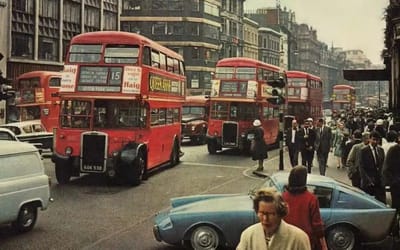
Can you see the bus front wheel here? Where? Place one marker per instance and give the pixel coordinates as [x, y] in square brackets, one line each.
[135, 174]
[175, 158]
[63, 173]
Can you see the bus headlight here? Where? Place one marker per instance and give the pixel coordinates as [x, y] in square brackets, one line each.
[193, 128]
[68, 150]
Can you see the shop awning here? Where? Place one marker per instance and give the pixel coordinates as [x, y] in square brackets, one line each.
[366, 74]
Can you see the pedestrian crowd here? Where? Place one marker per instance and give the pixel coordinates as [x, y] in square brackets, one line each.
[365, 143]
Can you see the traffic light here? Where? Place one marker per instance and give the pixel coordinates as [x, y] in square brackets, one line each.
[277, 92]
[6, 91]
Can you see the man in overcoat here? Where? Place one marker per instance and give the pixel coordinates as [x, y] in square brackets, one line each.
[292, 142]
[307, 141]
[372, 158]
[323, 145]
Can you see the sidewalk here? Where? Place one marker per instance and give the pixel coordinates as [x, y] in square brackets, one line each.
[271, 166]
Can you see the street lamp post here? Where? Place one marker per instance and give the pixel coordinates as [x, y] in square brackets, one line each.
[379, 94]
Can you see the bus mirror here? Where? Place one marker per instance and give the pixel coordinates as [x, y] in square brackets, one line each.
[1, 56]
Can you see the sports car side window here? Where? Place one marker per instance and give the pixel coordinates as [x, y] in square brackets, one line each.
[323, 194]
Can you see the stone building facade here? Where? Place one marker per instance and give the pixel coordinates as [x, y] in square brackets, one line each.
[38, 31]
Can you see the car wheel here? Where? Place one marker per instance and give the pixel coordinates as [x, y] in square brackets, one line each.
[212, 147]
[341, 238]
[136, 173]
[63, 173]
[204, 238]
[26, 218]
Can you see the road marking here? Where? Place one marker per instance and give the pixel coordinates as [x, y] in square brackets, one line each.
[210, 165]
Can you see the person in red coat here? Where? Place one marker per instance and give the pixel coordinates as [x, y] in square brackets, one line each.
[304, 208]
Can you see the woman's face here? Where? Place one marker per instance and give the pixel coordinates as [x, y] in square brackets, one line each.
[268, 216]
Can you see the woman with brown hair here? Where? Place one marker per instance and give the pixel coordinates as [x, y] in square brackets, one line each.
[303, 209]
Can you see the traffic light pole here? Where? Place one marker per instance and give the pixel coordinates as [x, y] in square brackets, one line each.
[281, 128]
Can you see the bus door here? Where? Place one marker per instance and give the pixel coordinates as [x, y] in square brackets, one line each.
[270, 123]
[156, 141]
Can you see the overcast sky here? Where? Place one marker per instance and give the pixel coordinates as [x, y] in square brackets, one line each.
[350, 24]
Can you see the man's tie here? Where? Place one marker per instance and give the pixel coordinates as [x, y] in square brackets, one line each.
[376, 156]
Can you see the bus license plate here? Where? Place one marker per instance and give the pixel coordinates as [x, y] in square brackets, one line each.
[94, 168]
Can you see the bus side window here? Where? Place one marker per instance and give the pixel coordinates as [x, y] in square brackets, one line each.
[155, 59]
[163, 61]
[146, 56]
[170, 64]
[181, 68]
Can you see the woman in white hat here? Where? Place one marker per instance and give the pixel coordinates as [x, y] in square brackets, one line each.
[259, 150]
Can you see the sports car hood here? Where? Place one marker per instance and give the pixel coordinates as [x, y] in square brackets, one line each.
[217, 203]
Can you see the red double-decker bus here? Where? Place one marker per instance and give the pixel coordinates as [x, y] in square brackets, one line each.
[37, 97]
[343, 97]
[304, 95]
[239, 96]
[121, 100]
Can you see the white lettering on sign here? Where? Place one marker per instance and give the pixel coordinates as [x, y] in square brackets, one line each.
[131, 81]
[68, 78]
[93, 167]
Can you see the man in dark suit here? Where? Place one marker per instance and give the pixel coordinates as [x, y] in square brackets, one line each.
[292, 142]
[372, 158]
[322, 144]
[306, 144]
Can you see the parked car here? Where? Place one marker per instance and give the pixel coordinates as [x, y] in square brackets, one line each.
[350, 215]
[7, 135]
[24, 187]
[31, 131]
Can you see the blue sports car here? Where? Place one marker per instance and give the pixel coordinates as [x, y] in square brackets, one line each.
[351, 216]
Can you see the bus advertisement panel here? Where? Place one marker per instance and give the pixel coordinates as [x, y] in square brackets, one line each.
[304, 96]
[195, 118]
[239, 96]
[121, 100]
[37, 98]
[343, 97]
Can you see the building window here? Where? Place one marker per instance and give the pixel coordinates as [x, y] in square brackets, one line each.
[194, 83]
[130, 27]
[175, 28]
[195, 53]
[72, 12]
[22, 45]
[194, 29]
[195, 5]
[49, 8]
[159, 28]
[211, 31]
[211, 9]
[132, 5]
[92, 17]
[173, 5]
[23, 6]
[48, 49]
[110, 21]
